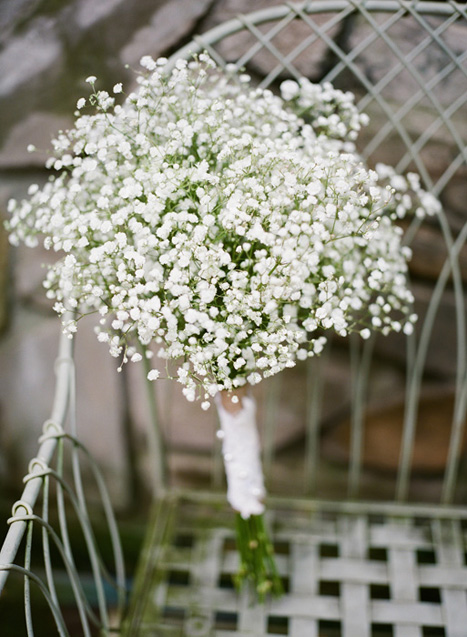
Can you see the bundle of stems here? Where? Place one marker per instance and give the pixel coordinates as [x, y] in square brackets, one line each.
[242, 459]
[257, 563]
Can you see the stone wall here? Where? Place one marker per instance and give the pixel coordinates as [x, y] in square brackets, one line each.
[47, 49]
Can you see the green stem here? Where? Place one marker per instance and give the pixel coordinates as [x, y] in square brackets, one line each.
[257, 564]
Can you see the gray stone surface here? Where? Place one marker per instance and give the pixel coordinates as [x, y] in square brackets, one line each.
[376, 60]
[14, 13]
[310, 62]
[166, 27]
[26, 381]
[47, 56]
[100, 409]
[37, 129]
[4, 276]
[28, 57]
[90, 12]
[224, 10]
[29, 271]
[30, 63]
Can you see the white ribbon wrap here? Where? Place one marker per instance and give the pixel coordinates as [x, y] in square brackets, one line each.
[241, 450]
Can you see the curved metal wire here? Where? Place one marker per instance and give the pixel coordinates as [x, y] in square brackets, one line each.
[360, 359]
[32, 577]
[281, 12]
[42, 476]
[451, 267]
[337, 12]
[46, 451]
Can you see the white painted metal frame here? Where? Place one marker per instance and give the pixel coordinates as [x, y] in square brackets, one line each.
[60, 452]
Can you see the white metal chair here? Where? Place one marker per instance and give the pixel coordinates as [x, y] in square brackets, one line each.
[362, 553]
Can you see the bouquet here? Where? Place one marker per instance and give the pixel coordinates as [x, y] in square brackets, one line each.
[231, 227]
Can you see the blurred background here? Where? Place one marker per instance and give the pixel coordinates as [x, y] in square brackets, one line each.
[47, 49]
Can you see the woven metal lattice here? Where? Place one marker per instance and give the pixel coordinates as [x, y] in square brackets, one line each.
[373, 48]
[344, 574]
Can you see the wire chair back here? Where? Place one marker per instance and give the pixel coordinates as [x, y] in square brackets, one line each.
[406, 64]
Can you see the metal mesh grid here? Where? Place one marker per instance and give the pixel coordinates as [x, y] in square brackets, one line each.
[312, 39]
[344, 574]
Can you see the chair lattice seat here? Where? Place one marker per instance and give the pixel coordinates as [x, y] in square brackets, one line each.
[351, 573]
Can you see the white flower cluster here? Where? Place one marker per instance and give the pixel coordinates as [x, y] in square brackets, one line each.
[330, 112]
[205, 215]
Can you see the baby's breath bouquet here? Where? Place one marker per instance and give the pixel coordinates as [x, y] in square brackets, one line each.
[232, 228]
